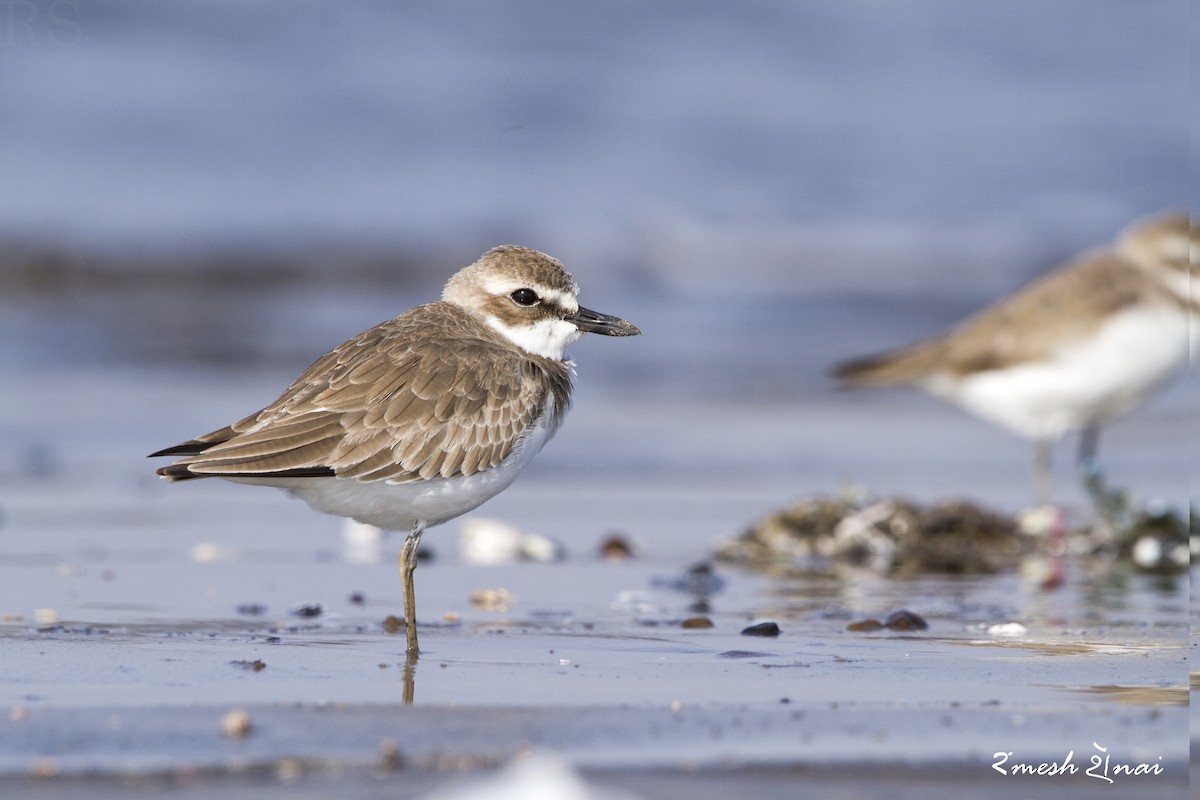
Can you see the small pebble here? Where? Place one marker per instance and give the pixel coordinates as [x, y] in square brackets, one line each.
[865, 625]
[393, 624]
[762, 629]
[236, 724]
[1007, 629]
[258, 665]
[252, 609]
[308, 610]
[699, 579]
[616, 546]
[696, 622]
[389, 755]
[489, 541]
[904, 620]
[358, 599]
[492, 599]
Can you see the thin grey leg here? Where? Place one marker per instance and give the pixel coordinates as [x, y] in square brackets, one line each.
[1111, 504]
[408, 563]
[1042, 486]
[1089, 444]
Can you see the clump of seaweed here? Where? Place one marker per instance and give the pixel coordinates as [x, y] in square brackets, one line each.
[890, 536]
[1154, 538]
[899, 537]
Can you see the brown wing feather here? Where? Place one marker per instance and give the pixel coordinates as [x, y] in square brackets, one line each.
[1028, 325]
[431, 393]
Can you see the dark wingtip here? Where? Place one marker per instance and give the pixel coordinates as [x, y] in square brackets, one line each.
[845, 370]
[176, 472]
[183, 472]
[189, 448]
[858, 371]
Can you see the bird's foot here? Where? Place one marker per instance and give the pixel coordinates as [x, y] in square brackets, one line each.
[1112, 504]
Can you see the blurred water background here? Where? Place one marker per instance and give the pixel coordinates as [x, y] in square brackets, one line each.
[198, 198]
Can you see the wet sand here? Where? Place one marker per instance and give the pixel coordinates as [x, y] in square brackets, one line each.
[127, 636]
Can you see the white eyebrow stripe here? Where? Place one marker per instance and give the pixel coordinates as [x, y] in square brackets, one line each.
[505, 286]
[558, 298]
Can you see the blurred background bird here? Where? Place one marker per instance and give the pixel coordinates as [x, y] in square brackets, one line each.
[1069, 352]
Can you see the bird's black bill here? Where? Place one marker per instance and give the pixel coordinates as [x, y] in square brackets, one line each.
[594, 322]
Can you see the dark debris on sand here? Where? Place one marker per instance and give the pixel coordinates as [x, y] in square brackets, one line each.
[898, 537]
[895, 537]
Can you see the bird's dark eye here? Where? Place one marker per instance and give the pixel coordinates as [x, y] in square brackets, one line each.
[525, 297]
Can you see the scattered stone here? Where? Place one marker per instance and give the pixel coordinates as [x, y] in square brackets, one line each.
[358, 599]
[257, 665]
[902, 620]
[493, 599]
[1159, 542]
[700, 580]
[1007, 629]
[393, 624]
[696, 623]
[489, 541]
[616, 547]
[308, 610]
[46, 616]
[762, 629]
[535, 547]
[905, 620]
[252, 609]
[866, 626]
[236, 724]
[389, 755]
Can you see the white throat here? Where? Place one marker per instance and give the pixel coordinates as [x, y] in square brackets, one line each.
[548, 338]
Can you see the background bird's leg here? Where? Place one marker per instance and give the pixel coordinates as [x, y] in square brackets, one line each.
[1089, 441]
[1111, 504]
[1042, 487]
[408, 563]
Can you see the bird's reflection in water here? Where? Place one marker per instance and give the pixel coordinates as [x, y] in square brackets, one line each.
[410, 673]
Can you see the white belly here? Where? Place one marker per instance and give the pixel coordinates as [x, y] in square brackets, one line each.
[399, 506]
[1086, 383]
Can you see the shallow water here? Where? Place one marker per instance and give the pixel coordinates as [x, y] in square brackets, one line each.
[121, 597]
